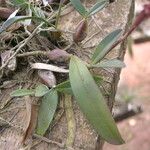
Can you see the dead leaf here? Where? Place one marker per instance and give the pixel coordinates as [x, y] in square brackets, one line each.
[48, 67]
[32, 113]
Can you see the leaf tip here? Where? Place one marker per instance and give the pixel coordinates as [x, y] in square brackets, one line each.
[118, 141]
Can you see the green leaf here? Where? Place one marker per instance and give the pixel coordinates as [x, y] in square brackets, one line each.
[41, 90]
[11, 21]
[97, 7]
[79, 7]
[46, 112]
[91, 101]
[22, 92]
[104, 46]
[114, 63]
[65, 86]
[19, 3]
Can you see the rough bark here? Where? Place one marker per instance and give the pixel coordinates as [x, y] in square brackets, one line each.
[117, 15]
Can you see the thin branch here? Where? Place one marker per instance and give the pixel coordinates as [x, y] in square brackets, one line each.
[33, 53]
[61, 145]
[100, 28]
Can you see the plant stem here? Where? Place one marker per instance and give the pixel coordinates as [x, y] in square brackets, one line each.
[34, 53]
[140, 18]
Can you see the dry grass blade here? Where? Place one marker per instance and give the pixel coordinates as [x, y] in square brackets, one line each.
[48, 67]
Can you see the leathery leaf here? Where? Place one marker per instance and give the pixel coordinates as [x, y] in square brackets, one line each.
[104, 46]
[46, 112]
[91, 101]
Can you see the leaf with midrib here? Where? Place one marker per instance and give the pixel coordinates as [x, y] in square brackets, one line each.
[41, 90]
[104, 46]
[22, 92]
[65, 86]
[114, 63]
[79, 7]
[91, 101]
[46, 112]
[97, 7]
[11, 21]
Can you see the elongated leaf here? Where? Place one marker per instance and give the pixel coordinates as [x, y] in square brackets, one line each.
[91, 101]
[47, 111]
[97, 7]
[41, 90]
[114, 63]
[103, 47]
[65, 86]
[79, 7]
[13, 14]
[11, 21]
[22, 92]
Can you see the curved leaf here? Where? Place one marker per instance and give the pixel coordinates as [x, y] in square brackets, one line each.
[41, 90]
[79, 7]
[47, 111]
[91, 101]
[97, 7]
[65, 86]
[114, 63]
[104, 46]
[22, 92]
[11, 21]
[50, 67]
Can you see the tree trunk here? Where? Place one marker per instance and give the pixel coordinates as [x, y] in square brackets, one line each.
[117, 15]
